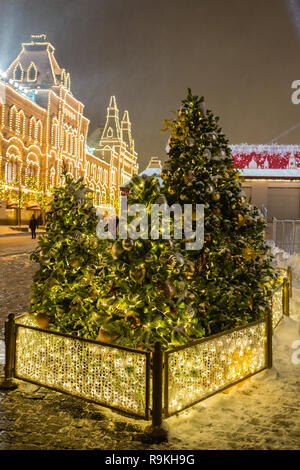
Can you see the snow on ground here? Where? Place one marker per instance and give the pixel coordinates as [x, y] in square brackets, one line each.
[261, 413]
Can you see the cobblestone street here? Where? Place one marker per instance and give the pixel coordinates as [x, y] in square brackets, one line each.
[259, 414]
[33, 417]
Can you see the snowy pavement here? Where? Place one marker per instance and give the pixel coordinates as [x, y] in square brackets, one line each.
[264, 411]
[261, 413]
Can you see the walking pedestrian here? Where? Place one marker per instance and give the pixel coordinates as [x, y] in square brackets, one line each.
[39, 221]
[32, 226]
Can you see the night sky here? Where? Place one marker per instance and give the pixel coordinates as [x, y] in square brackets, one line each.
[242, 55]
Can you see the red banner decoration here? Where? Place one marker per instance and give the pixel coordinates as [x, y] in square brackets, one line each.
[266, 156]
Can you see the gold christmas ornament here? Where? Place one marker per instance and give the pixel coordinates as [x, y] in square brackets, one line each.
[171, 261]
[116, 250]
[171, 190]
[188, 177]
[217, 211]
[74, 262]
[240, 218]
[104, 336]
[127, 244]
[137, 274]
[201, 308]
[189, 270]
[168, 289]
[133, 318]
[43, 320]
[216, 196]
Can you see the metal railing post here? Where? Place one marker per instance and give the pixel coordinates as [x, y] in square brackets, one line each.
[285, 297]
[10, 349]
[289, 274]
[293, 238]
[269, 332]
[158, 430]
[157, 386]
[274, 229]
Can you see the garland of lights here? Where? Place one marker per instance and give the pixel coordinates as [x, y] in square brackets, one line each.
[69, 143]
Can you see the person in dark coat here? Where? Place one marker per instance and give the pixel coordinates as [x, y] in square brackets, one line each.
[39, 221]
[33, 226]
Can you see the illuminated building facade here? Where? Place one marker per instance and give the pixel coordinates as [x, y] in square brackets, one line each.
[42, 124]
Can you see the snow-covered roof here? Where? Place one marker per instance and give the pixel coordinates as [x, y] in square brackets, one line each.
[148, 172]
[39, 54]
[263, 148]
[270, 173]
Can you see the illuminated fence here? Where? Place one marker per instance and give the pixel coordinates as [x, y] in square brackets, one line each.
[124, 379]
[280, 299]
[286, 273]
[112, 376]
[194, 372]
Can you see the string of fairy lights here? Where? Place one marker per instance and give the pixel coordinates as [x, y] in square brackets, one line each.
[62, 141]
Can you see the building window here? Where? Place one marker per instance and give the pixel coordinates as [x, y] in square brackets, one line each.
[22, 123]
[110, 133]
[52, 177]
[74, 144]
[18, 73]
[81, 146]
[13, 118]
[32, 73]
[68, 82]
[11, 172]
[70, 169]
[105, 176]
[32, 171]
[32, 128]
[66, 141]
[39, 131]
[71, 144]
[54, 133]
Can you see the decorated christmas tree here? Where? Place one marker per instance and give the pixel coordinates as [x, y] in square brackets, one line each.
[146, 296]
[233, 269]
[65, 288]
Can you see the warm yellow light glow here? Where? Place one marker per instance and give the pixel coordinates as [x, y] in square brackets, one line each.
[103, 374]
[198, 371]
[277, 309]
